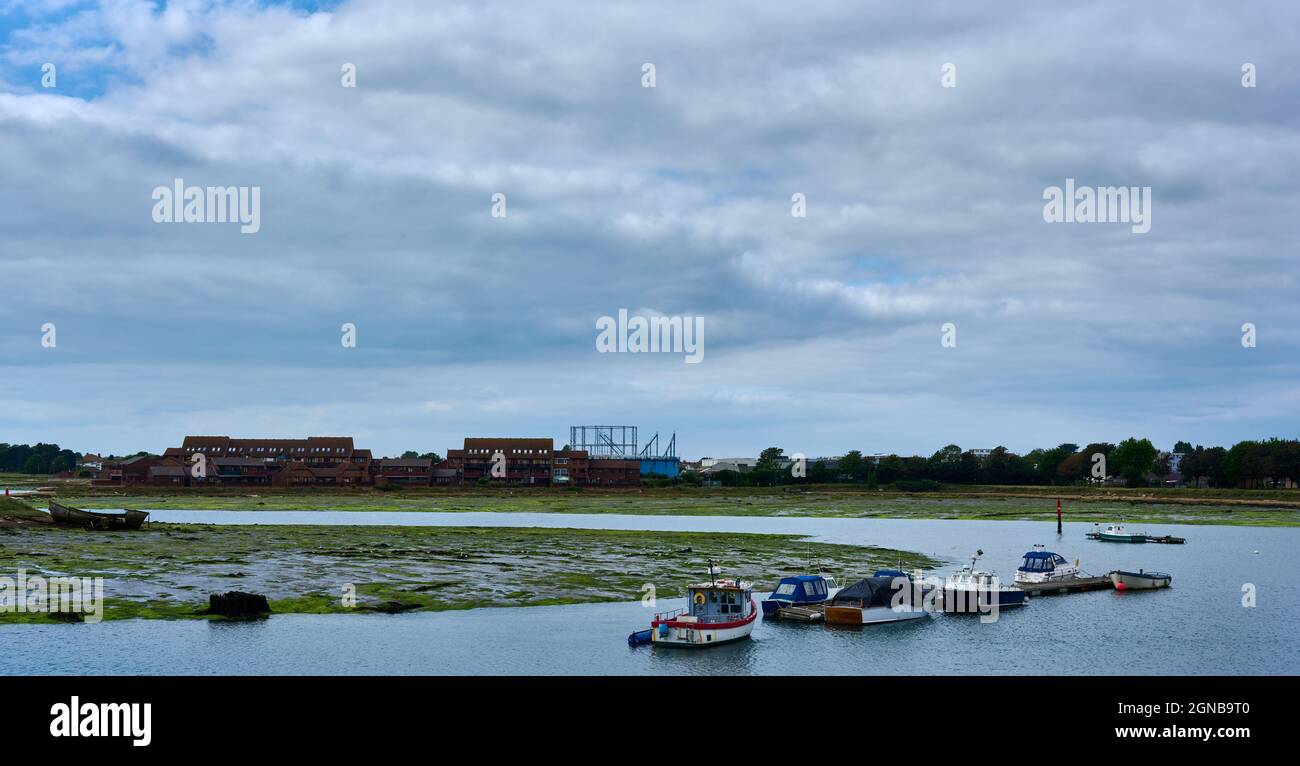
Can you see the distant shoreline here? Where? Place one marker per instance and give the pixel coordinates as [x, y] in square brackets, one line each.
[1229, 507]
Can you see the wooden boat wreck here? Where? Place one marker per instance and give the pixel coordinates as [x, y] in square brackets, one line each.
[75, 517]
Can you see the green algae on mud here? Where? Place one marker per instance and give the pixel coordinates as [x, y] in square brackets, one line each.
[167, 571]
[1089, 506]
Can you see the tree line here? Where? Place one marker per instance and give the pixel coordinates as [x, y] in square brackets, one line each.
[1257, 464]
[37, 459]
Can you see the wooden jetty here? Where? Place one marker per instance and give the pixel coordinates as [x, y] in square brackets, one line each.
[1074, 585]
[1166, 539]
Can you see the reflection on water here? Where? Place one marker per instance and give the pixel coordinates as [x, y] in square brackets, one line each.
[1198, 626]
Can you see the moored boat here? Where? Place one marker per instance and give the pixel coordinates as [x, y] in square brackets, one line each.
[1043, 566]
[64, 514]
[717, 612]
[1117, 533]
[972, 591]
[800, 591]
[1043, 572]
[1140, 580]
[872, 600]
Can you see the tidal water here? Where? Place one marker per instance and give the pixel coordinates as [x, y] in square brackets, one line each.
[1199, 626]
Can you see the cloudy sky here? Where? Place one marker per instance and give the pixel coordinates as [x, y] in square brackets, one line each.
[822, 333]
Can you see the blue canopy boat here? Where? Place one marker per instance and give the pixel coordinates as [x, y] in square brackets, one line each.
[801, 590]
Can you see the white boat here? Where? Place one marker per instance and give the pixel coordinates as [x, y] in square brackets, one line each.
[717, 612]
[1043, 566]
[1140, 580]
[971, 590]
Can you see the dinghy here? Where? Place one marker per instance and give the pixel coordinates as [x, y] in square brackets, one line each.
[1140, 580]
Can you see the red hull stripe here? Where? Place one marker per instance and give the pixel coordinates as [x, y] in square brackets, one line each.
[753, 613]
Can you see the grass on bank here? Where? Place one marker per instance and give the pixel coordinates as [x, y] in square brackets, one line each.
[167, 571]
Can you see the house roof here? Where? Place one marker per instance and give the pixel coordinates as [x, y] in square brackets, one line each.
[510, 442]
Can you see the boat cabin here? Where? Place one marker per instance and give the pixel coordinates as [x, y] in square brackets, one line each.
[974, 578]
[804, 589]
[1040, 561]
[719, 601]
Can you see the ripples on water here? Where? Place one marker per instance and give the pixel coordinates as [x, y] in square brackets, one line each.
[1197, 627]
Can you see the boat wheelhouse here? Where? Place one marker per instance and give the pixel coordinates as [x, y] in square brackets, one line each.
[872, 600]
[716, 612]
[1042, 566]
[800, 590]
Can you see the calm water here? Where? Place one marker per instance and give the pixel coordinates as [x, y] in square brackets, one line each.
[1198, 626]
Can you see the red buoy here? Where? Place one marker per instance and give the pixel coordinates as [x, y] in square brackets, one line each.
[1120, 586]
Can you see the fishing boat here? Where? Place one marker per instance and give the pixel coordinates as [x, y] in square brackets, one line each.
[1140, 580]
[717, 612]
[1116, 533]
[798, 591]
[872, 600]
[75, 517]
[971, 591]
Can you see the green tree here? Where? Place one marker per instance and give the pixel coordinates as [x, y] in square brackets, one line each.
[853, 465]
[767, 470]
[1049, 462]
[890, 470]
[1133, 459]
[1284, 462]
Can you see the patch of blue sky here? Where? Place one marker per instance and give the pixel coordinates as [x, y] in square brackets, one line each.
[882, 271]
[309, 6]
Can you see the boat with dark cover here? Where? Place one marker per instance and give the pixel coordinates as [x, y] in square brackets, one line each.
[871, 600]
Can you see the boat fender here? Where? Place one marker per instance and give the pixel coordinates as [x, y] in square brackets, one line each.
[1120, 586]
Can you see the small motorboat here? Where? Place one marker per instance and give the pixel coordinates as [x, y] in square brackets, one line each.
[717, 612]
[1116, 533]
[1043, 566]
[1044, 572]
[800, 591]
[75, 517]
[875, 600]
[1140, 580]
[972, 591]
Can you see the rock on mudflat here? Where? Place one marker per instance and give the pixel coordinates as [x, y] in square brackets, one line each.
[239, 605]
